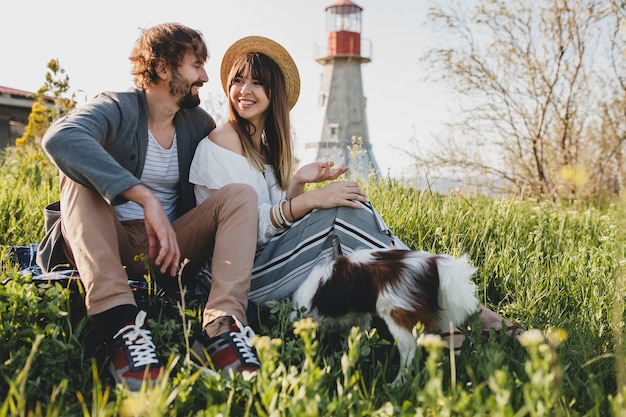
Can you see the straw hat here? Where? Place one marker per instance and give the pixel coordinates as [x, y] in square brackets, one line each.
[274, 51]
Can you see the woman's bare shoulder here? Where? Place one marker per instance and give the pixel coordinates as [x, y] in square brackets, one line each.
[226, 137]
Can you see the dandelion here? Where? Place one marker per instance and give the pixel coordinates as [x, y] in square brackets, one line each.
[532, 337]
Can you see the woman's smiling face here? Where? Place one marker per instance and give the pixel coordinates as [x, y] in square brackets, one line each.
[249, 98]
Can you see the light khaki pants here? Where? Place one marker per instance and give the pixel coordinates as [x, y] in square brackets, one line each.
[103, 249]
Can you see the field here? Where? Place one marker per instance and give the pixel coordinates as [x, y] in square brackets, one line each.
[555, 269]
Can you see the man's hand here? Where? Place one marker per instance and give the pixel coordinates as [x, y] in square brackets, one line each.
[162, 242]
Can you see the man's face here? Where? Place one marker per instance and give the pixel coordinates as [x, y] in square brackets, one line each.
[187, 80]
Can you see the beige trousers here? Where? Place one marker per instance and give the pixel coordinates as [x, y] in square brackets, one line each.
[103, 249]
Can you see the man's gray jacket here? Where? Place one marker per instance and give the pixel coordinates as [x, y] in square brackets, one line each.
[103, 146]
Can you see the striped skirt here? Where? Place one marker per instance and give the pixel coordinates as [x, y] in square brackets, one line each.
[286, 260]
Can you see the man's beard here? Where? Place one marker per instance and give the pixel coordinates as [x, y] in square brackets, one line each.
[189, 101]
[179, 86]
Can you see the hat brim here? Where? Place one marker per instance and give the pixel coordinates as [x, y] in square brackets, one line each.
[273, 50]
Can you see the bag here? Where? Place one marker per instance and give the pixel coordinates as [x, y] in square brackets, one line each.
[50, 252]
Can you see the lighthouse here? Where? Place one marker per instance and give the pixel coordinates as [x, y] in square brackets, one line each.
[345, 137]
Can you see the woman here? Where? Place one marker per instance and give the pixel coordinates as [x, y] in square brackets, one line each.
[296, 229]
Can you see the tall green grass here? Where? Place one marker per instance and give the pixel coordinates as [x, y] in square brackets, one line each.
[554, 269]
[28, 180]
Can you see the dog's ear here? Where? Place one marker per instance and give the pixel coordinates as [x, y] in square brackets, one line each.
[337, 247]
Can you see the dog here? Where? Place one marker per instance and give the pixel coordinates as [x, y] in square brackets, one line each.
[402, 287]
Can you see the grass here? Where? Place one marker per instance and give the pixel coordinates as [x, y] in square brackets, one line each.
[554, 269]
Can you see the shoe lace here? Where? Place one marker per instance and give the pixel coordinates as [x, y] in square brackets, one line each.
[139, 342]
[243, 341]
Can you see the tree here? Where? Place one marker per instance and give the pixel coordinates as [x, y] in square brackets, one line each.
[42, 113]
[541, 94]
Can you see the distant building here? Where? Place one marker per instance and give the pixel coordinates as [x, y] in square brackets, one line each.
[15, 106]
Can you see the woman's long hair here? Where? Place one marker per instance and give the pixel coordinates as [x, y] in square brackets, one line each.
[277, 125]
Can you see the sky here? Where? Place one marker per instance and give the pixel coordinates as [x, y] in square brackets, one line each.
[92, 41]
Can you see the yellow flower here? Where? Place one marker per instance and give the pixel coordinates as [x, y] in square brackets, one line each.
[429, 340]
[532, 337]
[305, 324]
[575, 175]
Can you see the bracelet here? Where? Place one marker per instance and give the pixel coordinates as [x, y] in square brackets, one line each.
[282, 214]
[291, 211]
[275, 217]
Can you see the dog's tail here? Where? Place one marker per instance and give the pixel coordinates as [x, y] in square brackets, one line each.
[457, 292]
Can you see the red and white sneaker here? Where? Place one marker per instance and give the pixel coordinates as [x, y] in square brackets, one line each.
[229, 352]
[133, 355]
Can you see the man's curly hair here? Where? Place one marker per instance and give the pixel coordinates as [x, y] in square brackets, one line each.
[168, 42]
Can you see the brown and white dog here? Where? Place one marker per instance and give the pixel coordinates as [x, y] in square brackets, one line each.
[402, 287]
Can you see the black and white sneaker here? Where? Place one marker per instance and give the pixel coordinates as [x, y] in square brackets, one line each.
[229, 352]
[133, 355]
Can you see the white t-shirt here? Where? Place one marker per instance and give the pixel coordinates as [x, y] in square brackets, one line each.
[160, 174]
[213, 167]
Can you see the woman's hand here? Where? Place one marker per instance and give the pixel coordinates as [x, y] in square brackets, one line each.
[318, 172]
[340, 193]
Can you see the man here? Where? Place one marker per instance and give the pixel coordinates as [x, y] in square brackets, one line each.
[124, 165]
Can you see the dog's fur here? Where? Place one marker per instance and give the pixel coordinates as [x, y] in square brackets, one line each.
[400, 286]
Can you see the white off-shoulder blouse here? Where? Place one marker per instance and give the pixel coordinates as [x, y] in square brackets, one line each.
[213, 167]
